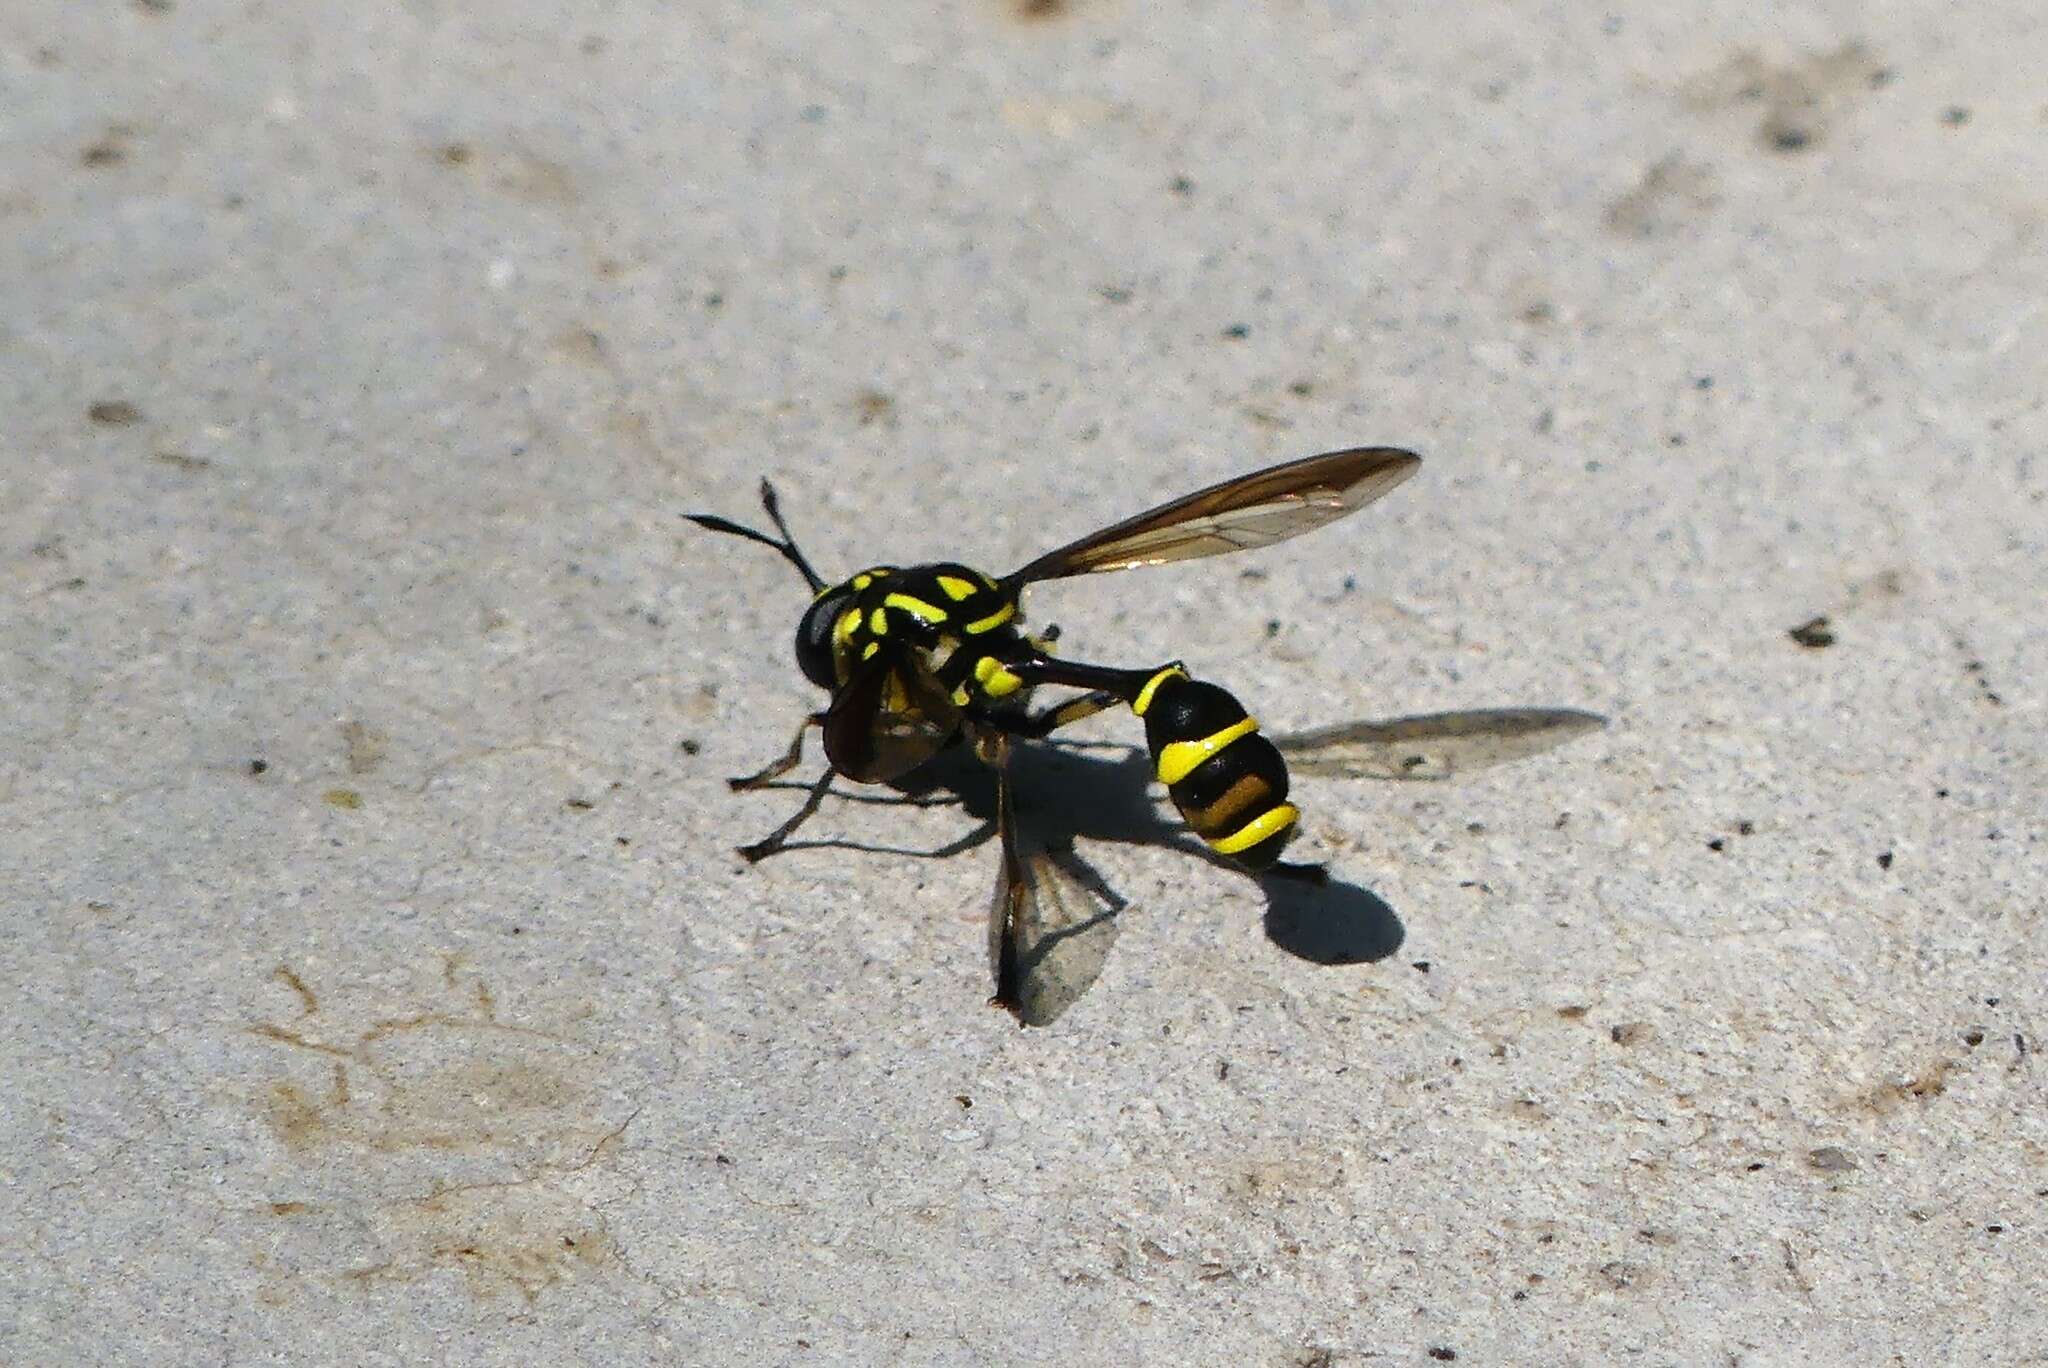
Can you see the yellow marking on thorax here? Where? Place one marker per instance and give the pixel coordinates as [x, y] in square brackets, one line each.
[862, 581]
[993, 620]
[873, 646]
[1177, 759]
[956, 588]
[848, 624]
[1144, 699]
[1267, 824]
[995, 681]
[916, 607]
[878, 622]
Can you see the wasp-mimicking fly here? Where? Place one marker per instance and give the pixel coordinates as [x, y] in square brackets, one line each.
[917, 658]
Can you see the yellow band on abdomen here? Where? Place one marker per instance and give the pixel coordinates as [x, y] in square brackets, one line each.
[1144, 698]
[1262, 827]
[1177, 759]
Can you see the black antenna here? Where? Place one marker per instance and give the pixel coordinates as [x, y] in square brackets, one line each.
[787, 546]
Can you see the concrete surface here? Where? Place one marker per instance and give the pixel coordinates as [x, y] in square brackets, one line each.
[381, 986]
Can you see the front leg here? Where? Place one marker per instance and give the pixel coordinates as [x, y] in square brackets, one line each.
[782, 764]
[776, 839]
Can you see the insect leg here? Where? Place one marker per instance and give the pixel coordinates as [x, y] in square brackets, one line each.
[1047, 720]
[779, 766]
[776, 839]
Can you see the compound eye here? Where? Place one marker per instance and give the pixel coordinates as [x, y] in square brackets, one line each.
[814, 638]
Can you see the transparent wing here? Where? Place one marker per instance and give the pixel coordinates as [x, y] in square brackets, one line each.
[1433, 745]
[1050, 926]
[1253, 510]
[890, 717]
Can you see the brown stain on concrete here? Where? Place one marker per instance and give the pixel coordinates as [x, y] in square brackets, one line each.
[377, 1100]
[510, 171]
[1671, 192]
[364, 746]
[1798, 102]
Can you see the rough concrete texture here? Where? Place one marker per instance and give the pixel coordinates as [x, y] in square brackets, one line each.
[381, 984]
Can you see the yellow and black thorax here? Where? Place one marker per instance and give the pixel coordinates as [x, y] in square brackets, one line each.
[963, 624]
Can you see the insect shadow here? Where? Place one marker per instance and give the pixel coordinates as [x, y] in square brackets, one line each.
[1099, 791]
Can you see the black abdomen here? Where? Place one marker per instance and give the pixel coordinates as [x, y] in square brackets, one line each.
[1228, 781]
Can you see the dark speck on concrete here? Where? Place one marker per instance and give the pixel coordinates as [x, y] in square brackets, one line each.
[1814, 633]
[1787, 137]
